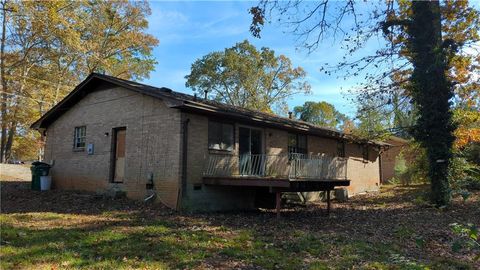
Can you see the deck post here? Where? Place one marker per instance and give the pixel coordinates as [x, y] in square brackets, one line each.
[278, 202]
[328, 202]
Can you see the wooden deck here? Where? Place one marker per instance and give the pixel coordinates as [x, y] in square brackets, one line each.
[279, 173]
[279, 185]
[246, 181]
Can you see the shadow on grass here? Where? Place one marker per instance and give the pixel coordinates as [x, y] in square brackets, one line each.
[140, 243]
[117, 234]
[17, 197]
[102, 246]
[155, 244]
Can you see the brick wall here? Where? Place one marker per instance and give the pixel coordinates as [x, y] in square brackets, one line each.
[389, 158]
[209, 198]
[363, 173]
[152, 144]
[319, 145]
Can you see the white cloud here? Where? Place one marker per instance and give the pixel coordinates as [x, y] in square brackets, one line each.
[161, 20]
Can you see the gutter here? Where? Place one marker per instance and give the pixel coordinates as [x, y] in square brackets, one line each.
[206, 109]
[198, 107]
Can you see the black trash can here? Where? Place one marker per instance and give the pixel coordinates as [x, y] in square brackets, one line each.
[38, 169]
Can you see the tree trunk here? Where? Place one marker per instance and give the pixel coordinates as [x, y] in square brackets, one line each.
[11, 134]
[4, 96]
[432, 94]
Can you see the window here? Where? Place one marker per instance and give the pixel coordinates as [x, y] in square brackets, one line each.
[297, 144]
[365, 153]
[220, 136]
[341, 149]
[79, 137]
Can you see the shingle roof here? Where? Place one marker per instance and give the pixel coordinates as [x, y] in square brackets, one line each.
[189, 103]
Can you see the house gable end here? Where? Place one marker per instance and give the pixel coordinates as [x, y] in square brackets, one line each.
[95, 82]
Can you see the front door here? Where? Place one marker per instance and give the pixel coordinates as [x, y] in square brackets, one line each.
[119, 169]
[252, 160]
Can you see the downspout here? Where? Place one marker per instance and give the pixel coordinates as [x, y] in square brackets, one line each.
[183, 188]
[380, 155]
[380, 166]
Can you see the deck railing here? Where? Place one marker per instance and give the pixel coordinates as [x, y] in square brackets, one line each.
[291, 166]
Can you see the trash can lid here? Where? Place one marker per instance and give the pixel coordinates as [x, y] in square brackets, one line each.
[39, 163]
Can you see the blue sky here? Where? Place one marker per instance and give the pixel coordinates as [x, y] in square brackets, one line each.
[190, 30]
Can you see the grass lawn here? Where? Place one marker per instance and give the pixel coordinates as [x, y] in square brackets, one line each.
[394, 229]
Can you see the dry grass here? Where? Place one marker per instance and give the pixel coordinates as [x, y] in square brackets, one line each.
[394, 229]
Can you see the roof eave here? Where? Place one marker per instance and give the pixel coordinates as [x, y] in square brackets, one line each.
[205, 108]
[38, 124]
[195, 106]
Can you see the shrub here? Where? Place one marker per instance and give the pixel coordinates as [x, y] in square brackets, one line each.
[400, 170]
[463, 174]
[467, 238]
[411, 165]
[472, 152]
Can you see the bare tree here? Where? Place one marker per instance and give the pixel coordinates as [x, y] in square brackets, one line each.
[414, 61]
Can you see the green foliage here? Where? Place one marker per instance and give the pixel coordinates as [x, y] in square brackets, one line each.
[373, 121]
[320, 113]
[404, 116]
[400, 169]
[472, 152]
[445, 26]
[246, 77]
[464, 170]
[420, 242]
[427, 66]
[411, 165]
[434, 127]
[406, 263]
[463, 174]
[403, 232]
[426, 83]
[467, 237]
[460, 24]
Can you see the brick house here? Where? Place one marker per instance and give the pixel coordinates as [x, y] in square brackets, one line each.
[192, 153]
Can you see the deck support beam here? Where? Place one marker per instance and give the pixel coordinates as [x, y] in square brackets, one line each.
[278, 203]
[280, 185]
[328, 202]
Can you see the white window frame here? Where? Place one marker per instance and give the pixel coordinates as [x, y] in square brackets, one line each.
[79, 137]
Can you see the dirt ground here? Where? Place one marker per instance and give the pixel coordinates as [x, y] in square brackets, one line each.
[15, 172]
[393, 229]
